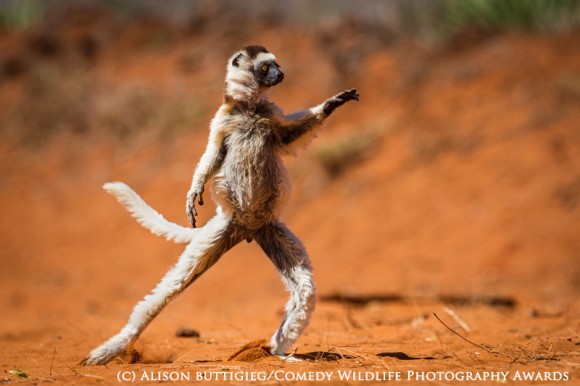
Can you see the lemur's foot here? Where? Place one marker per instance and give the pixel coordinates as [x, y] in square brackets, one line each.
[338, 100]
[289, 358]
[278, 352]
[106, 352]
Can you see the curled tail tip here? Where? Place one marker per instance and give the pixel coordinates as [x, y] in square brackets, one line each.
[116, 186]
[110, 185]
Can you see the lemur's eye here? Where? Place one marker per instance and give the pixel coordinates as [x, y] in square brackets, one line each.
[264, 68]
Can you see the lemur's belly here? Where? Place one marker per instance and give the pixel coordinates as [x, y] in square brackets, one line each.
[253, 183]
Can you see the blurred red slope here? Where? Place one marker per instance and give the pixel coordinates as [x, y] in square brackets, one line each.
[472, 188]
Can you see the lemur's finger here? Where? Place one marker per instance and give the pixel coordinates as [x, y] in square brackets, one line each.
[200, 199]
[192, 215]
[191, 204]
[338, 100]
[351, 94]
[355, 94]
[191, 218]
[191, 210]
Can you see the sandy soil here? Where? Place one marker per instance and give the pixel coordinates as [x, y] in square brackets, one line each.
[464, 206]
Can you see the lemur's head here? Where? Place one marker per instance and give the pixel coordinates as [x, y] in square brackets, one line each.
[251, 71]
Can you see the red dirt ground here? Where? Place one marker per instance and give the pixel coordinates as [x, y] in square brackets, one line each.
[466, 204]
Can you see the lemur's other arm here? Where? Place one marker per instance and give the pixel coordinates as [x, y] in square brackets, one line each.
[298, 129]
[208, 165]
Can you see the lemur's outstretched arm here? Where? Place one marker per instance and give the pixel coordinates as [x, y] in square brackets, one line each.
[209, 163]
[298, 129]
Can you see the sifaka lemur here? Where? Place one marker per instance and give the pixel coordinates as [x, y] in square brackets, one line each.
[247, 137]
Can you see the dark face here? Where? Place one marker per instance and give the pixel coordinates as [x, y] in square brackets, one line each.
[268, 73]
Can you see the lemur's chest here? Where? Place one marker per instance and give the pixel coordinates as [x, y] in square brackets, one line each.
[252, 131]
[248, 138]
[250, 150]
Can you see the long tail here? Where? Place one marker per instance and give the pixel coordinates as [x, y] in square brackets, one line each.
[148, 217]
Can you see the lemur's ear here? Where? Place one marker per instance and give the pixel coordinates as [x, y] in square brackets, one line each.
[237, 59]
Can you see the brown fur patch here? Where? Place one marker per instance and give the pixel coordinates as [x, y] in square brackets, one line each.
[252, 352]
[253, 51]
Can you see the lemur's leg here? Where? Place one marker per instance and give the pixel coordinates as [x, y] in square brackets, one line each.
[290, 258]
[213, 240]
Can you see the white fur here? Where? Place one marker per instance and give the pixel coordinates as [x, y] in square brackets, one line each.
[206, 166]
[238, 83]
[264, 57]
[195, 260]
[147, 216]
[299, 308]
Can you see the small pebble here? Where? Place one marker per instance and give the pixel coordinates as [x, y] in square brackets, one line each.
[187, 333]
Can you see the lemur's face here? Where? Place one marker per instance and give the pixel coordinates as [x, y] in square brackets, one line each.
[268, 73]
[257, 63]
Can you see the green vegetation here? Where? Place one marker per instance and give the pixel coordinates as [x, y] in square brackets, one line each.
[499, 15]
[18, 373]
[398, 16]
[20, 14]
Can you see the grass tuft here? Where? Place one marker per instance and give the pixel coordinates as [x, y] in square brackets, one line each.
[501, 15]
[21, 14]
[339, 155]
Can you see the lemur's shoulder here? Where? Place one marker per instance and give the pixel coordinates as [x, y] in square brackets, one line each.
[263, 108]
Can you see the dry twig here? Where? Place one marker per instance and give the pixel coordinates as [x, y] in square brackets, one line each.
[464, 338]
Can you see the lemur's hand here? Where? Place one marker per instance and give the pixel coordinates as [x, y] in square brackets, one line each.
[338, 100]
[190, 204]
